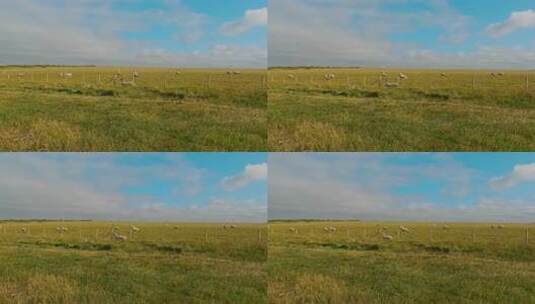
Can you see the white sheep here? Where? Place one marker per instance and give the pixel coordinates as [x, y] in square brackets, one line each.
[443, 75]
[392, 84]
[291, 76]
[446, 227]
[62, 229]
[65, 75]
[119, 237]
[387, 237]
[501, 226]
[24, 230]
[402, 76]
[329, 77]
[329, 229]
[134, 228]
[404, 229]
[292, 229]
[135, 74]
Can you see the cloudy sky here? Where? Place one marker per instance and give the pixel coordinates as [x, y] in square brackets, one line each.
[192, 33]
[193, 187]
[403, 33]
[385, 186]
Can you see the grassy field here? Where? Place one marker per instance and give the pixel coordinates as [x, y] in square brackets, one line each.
[462, 263]
[196, 110]
[463, 111]
[162, 263]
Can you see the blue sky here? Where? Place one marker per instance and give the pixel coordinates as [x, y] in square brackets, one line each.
[410, 33]
[197, 187]
[139, 32]
[404, 186]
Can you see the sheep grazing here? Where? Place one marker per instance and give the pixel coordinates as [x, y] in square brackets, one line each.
[387, 237]
[134, 229]
[501, 74]
[24, 230]
[233, 226]
[501, 226]
[446, 227]
[178, 73]
[118, 237]
[329, 77]
[329, 229]
[292, 230]
[62, 229]
[175, 227]
[492, 75]
[65, 75]
[492, 226]
[404, 229]
[402, 76]
[135, 74]
[20, 75]
[291, 76]
[128, 83]
[392, 84]
[443, 75]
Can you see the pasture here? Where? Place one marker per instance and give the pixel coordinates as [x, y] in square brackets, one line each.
[132, 109]
[365, 110]
[431, 263]
[160, 263]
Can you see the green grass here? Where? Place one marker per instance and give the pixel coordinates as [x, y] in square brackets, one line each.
[197, 110]
[467, 263]
[356, 112]
[195, 263]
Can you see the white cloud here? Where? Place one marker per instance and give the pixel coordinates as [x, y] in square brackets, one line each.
[94, 31]
[371, 187]
[363, 33]
[517, 20]
[94, 186]
[251, 19]
[250, 174]
[218, 56]
[520, 174]
[217, 210]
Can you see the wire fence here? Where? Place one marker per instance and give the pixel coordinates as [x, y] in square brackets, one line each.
[110, 78]
[519, 235]
[517, 82]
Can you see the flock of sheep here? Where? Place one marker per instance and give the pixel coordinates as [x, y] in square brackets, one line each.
[384, 230]
[115, 234]
[383, 77]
